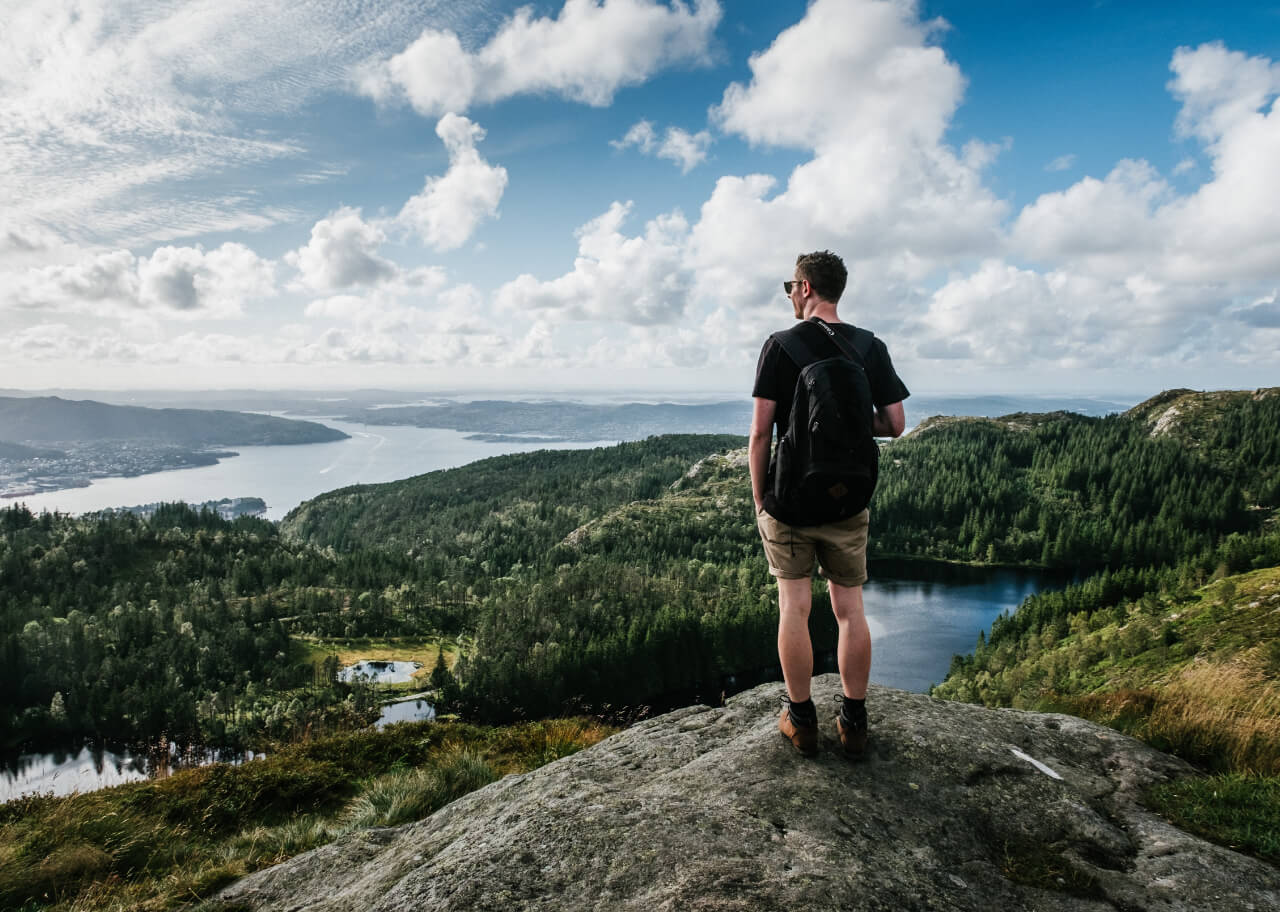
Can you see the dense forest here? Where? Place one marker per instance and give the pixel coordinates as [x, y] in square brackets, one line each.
[178, 624]
[665, 597]
[599, 579]
[181, 624]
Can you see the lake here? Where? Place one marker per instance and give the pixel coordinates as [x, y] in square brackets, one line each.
[94, 766]
[285, 476]
[920, 615]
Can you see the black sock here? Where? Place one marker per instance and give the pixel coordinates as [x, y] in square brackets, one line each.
[804, 712]
[854, 711]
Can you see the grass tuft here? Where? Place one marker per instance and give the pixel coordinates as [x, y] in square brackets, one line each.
[1047, 868]
[1222, 716]
[408, 795]
[1237, 810]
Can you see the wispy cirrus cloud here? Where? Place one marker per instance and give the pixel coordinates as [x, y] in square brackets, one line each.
[114, 113]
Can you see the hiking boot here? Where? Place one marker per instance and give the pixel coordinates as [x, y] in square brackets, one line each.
[802, 734]
[853, 738]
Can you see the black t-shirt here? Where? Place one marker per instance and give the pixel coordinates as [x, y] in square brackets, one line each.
[776, 373]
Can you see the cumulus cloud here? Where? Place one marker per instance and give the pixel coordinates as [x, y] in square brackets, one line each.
[204, 284]
[397, 304]
[179, 282]
[1003, 315]
[680, 146]
[1062, 163]
[882, 185]
[1106, 220]
[884, 75]
[586, 53]
[1224, 231]
[1130, 271]
[1220, 89]
[342, 253]
[638, 279]
[103, 280]
[451, 207]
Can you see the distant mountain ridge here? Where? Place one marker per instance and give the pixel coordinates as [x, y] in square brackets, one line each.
[563, 416]
[49, 419]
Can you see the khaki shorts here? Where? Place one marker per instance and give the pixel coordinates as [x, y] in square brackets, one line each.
[840, 548]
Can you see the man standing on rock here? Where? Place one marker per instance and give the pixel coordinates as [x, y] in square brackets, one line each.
[852, 369]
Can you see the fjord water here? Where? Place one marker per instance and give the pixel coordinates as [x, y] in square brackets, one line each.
[285, 476]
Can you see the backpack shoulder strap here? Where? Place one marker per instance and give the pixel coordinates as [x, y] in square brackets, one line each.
[797, 349]
[862, 341]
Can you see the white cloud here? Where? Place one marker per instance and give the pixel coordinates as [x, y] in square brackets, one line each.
[1106, 220]
[641, 135]
[178, 282]
[1002, 315]
[342, 253]
[114, 114]
[1225, 231]
[1220, 89]
[882, 187]
[450, 207]
[1062, 163]
[586, 53]
[204, 284]
[629, 279]
[103, 281]
[397, 305]
[882, 76]
[344, 307]
[680, 146]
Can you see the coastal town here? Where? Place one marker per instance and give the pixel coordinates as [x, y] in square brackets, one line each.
[28, 470]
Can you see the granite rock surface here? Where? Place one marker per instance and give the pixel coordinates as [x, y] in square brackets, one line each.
[955, 807]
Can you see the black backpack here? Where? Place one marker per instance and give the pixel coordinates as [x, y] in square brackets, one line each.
[825, 465]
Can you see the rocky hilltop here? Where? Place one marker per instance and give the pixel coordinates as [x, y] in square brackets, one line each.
[956, 807]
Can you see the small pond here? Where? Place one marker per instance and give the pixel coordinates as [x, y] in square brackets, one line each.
[379, 672]
[412, 710]
[95, 766]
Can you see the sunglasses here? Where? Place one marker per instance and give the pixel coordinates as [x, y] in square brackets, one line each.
[787, 286]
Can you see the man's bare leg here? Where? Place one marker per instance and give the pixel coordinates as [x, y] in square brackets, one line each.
[795, 651]
[853, 649]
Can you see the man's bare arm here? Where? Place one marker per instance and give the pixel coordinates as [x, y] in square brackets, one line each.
[758, 445]
[889, 421]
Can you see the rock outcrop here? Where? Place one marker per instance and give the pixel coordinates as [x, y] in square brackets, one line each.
[956, 807]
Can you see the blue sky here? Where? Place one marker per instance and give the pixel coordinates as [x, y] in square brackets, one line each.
[606, 194]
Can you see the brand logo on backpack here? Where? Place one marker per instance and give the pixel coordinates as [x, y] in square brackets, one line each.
[825, 466]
